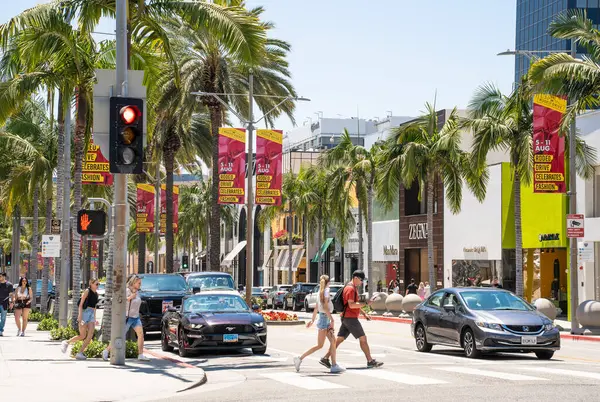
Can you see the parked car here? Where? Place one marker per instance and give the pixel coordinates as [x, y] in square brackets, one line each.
[482, 320]
[310, 301]
[213, 321]
[203, 281]
[158, 293]
[38, 293]
[294, 298]
[276, 294]
[101, 295]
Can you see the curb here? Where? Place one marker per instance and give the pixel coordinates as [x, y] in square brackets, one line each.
[389, 319]
[583, 338]
[180, 363]
[285, 323]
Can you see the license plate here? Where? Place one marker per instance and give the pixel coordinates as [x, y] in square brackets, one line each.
[166, 304]
[230, 338]
[529, 340]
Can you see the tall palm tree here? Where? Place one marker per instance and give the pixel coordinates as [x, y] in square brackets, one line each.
[431, 152]
[501, 122]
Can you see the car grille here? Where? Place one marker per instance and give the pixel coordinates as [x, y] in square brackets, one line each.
[155, 306]
[237, 329]
[524, 329]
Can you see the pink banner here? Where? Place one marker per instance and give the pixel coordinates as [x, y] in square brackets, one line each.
[232, 165]
[268, 166]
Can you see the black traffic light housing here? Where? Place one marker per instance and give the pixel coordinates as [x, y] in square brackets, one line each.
[91, 222]
[126, 152]
[185, 262]
[8, 259]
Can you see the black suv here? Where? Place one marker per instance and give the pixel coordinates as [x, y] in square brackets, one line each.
[199, 281]
[294, 298]
[158, 293]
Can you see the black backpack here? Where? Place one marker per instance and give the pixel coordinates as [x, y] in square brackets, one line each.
[338, 301]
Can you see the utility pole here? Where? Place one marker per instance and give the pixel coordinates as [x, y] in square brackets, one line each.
[250, 193]
[117, 356]
[157, 217]
[65, 254]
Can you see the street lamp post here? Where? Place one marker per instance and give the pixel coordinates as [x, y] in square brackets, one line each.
[250, 123]
[571, 193]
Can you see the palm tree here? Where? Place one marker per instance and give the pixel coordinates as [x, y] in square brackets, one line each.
[501, 122]
[431, 152]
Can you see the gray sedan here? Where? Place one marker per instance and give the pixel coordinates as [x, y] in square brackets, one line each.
[483, 320]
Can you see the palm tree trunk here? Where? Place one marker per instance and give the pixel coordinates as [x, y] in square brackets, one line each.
[371, 282]
[430, 251]
[518, 237]
[360, 237]
[141, 253]
[107, 314]
[46, 268]
[33, 260]
[171, 148]
[214, 247]
[88, 264]
[320, 269]
[59, 193]
[79, 142]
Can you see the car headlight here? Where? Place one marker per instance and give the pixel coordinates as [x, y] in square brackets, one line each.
[259, 324]
[487, 325]
[549, 327]
[195, 326]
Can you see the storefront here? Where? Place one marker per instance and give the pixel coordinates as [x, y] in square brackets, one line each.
[386, 254]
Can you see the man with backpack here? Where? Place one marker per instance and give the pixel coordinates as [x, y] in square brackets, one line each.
[346, 301]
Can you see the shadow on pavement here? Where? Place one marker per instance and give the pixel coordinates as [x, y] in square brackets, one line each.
[489, 356]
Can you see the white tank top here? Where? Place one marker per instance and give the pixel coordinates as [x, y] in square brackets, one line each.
[327, 300]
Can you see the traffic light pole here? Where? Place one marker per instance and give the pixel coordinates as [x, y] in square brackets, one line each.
[117, 356]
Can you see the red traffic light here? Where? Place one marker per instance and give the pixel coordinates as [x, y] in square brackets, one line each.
[129, 114]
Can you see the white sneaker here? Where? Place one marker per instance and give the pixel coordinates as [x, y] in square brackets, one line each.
[297, 363]
[22, 333]
[63, 346]
[143, 358]
[336, 368]
[105, 354]
[80, 356]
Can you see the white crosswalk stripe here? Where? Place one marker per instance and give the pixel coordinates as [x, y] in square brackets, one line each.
[489, 373]
[573, 373]
[399, 377]
[302, 381]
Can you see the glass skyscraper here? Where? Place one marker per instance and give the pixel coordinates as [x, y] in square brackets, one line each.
[533, 19]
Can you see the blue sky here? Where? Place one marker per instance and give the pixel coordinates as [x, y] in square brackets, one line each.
[384, 55]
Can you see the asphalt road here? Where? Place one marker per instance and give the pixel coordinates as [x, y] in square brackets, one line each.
[443, 374]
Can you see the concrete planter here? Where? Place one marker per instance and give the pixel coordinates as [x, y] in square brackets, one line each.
[546, 307]
[410, 302]
[393, 303]
[588, 315]
[379, 300]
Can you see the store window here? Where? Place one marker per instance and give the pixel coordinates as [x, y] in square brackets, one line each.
[412, 204]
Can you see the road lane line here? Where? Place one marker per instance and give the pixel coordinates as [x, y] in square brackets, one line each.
[573, 373]
[301, 381]
[396, 376]
[488, 373]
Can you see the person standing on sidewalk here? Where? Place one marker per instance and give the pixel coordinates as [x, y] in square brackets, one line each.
[350, 322]
[134, 301]
[411, 289]
[22, 305]
[6, 300]
[86, 319]
[324, 325]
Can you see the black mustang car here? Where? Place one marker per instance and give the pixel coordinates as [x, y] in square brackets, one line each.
[158, 293]
[215, 320]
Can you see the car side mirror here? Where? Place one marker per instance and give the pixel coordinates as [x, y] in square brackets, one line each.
[450, 307]
[195, 290]
[255, 307]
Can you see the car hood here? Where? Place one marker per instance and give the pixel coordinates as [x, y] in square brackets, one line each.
[511, 317]
[166, 295]
[224, 318]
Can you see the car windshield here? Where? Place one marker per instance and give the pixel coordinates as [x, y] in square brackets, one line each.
[163, 283]
[285, 288]
[334, 289]
[211, 282]
[101, 286]
[307, 288]
[205, 303]
[257, 291]
[494, 300]
[39, 286]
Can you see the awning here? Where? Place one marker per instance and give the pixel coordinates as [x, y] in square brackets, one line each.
[298, 254]
[282, 259]
[228, 260]
[266, 262]
[324, 248]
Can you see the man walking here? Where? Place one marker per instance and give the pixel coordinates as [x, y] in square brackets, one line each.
[350, 322]
[6, 300]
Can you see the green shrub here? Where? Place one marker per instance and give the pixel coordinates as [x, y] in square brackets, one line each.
[95, 348]
[62, 333]
[36, 316]
[47, 324]
[258, 300]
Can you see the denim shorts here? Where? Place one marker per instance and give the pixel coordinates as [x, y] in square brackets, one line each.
[323, 321]
[132, 322]
[88, 315]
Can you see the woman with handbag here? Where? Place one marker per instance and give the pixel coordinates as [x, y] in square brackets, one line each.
[23, 297]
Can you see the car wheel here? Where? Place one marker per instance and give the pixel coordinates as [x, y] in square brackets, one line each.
[182, 351]
[259, 351]
[285, 305]
[294, 307]
[306, 306]
[421, 339]
[544, 354]
[469, 346]
[164, 343]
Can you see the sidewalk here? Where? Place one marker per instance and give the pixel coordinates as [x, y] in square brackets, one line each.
[33, 368]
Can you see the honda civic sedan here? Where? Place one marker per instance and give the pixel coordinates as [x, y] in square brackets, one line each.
[482, 320]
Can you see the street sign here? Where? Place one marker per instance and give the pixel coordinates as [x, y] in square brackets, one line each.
[51, 246]
[55, 227]
[575, 224]
[585, 251]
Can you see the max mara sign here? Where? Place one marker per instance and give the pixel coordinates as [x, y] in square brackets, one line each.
[390, 250]
[417, 231]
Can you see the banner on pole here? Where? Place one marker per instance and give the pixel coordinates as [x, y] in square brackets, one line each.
[548, 145]
[268, 166]
[144, 222]
[95, 169]
[232, 165]
[163, 208]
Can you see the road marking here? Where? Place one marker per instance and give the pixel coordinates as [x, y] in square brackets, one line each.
[573, 373]
[398, 377]
[300, 381]
[487, 373]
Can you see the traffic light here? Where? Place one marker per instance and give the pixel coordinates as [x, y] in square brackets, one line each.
[185, 262]
[8, 259]
[91, 222]
[126, 152]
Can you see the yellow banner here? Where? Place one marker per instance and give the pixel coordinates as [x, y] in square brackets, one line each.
[549, 177]
[271, 135]
[268, 193]
[149, 188]
[175, 188]
[551, 102]
[92, 177]
[238, 134]
[95, 167]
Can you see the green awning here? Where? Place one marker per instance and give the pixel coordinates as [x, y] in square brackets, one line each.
[324, 248]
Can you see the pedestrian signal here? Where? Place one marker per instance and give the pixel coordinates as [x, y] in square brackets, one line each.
[91, 222]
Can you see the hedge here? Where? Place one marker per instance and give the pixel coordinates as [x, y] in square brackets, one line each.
[95, 348]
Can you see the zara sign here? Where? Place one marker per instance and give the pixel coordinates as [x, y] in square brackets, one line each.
[417, 231]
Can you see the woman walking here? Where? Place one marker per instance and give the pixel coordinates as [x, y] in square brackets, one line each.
[324, 325]
[134, 301]
[421, 291]
[86, 319]
[23, 298]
